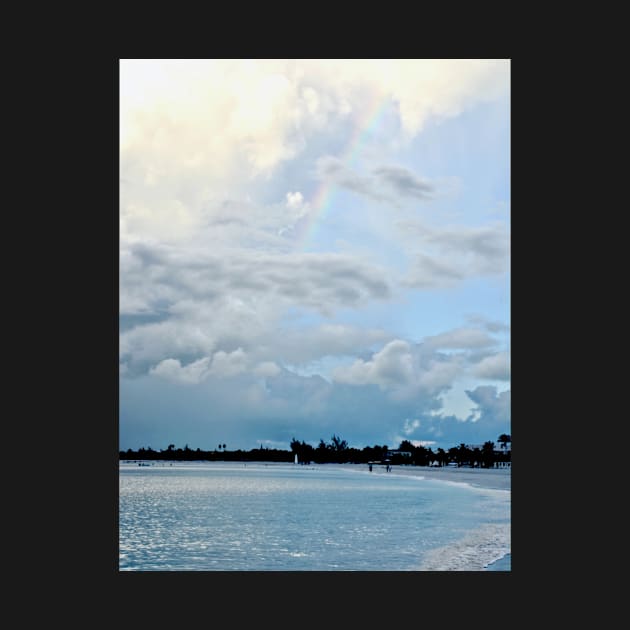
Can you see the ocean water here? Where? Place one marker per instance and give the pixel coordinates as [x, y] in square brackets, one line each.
[285, 517]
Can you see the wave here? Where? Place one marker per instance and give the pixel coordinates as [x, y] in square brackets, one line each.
[474, 552]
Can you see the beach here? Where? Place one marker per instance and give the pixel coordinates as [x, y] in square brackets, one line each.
[281, 516]
[489, 478]
[465, 555]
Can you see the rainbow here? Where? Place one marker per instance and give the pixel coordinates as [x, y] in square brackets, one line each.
[320, 202]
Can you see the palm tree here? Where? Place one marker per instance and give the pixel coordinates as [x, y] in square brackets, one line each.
[442, 457]
[503, 439]
[487, 454]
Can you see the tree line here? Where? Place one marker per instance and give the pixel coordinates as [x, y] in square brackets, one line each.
[337, 451]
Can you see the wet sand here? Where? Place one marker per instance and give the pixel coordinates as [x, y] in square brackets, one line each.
[493, 478]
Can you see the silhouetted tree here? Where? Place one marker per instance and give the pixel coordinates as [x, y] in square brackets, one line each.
[487, 454]
[406, 445]
[338, 444]
[442, 457]
[336, 450]
[503, 439]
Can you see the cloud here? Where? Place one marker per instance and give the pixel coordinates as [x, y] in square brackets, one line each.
[288, 405]
[225, 364]
[494, 367]
[303, 345]
[332, 169]
[194, 131]
[406, 371]
[322, 281]
[491, 407]
[410, 371]
[492, 326]
[391, 366]
[267, 368]
[149, 344]
[221, 365]
[203, 112]
[294, 200]
[188, 304]
[445, 256]
[489, 418]
[173, 370]
[404, 182]
[389, 184]
[440, 373]
[220, 295]
[460, 338]
[486, 246]
[428, 272]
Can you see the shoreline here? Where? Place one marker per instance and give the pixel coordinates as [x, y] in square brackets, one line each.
[487, 548]
[486, 478]
[502, 564]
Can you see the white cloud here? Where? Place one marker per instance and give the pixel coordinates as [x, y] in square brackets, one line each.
[410, 425]
[304, 345]
[173, 370]
[154, 342]
[492, 326]
[267, 368]
[495, 367]
[391, 366]
[491, 405]
[217, 287]
[440, 373]
[221, 364]
[404, 370]
[444, 256]
[246, 282]
[225, 364]
[194, 130]
[460, 338]
[411, 370]
[294, 200]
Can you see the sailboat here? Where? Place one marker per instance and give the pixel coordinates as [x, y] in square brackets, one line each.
[295, 461]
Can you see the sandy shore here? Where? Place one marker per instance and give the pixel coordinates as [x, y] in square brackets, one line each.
[493, 478]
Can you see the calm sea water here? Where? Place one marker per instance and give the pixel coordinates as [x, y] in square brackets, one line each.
[286, 517]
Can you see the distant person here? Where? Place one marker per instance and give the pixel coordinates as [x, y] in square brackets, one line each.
[370, 467]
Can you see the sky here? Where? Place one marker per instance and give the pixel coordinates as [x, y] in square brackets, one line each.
[314, 247]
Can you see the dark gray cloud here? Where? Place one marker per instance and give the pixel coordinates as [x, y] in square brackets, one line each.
[446, 256]
[244, 411]
[492, 326]
[493, 407]
[432, 271]
[329, 168]
[189, 303]
[385, 184]
[127, 322]
[404, 182]
[319, 281]
[487, 245]
[460, 338]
